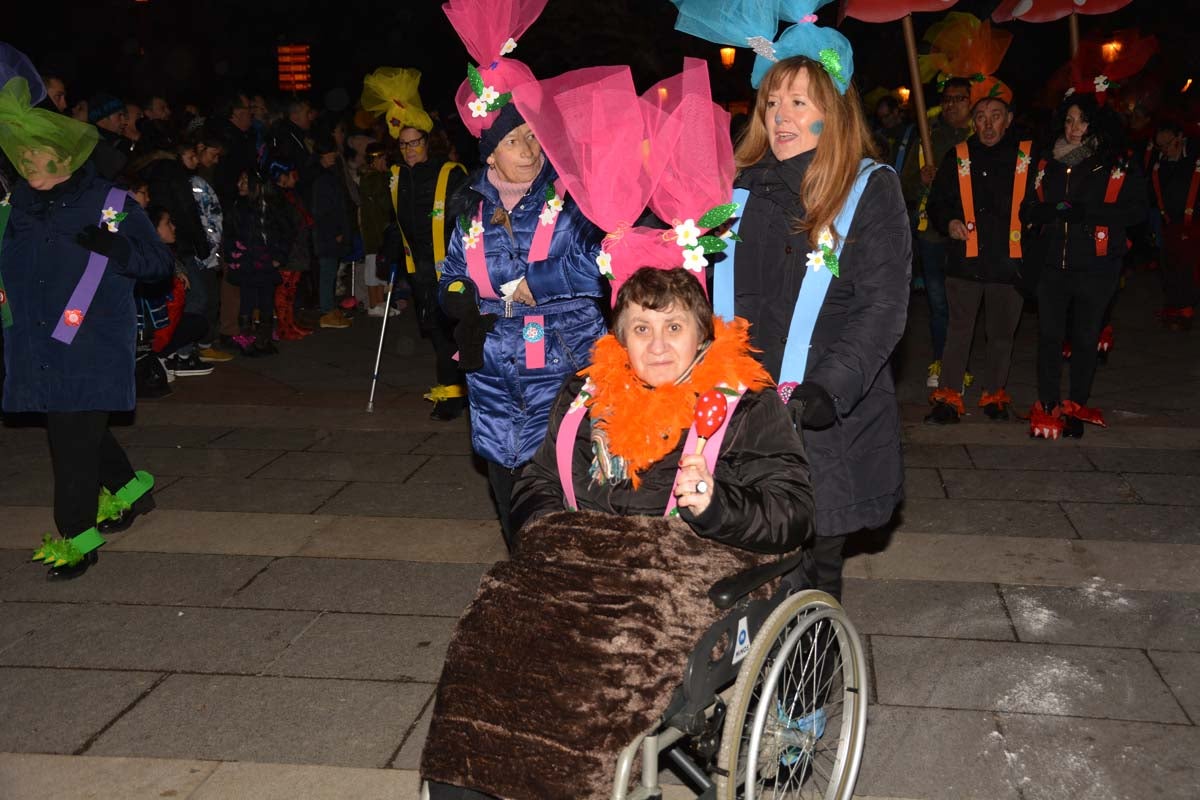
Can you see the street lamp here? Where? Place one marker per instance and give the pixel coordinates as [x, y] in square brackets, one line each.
[727, 56]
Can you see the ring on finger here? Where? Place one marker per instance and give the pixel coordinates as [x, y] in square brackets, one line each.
[701, 487]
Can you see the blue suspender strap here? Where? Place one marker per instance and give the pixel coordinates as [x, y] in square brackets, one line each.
[723, 270]
[815, 285]
[903, 149]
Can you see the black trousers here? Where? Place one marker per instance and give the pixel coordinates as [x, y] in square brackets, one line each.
[502, 479]
[1082, 298]
[85, 456]
[825, 571]
[1002, 308]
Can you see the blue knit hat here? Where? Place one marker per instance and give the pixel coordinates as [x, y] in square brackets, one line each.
[103, 105]
[508, 119]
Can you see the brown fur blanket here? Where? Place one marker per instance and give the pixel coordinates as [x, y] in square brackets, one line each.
[571, 650]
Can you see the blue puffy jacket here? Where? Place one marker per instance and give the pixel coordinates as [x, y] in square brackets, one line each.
[41, 264]
[510, 403]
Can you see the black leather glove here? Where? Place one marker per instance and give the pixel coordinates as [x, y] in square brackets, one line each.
[461, 305]
[104, 242]
[813, 405]
[1069, 213]
[1039, 213]
[470, 334]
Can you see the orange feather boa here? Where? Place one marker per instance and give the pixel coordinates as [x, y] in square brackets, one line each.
[644, 423]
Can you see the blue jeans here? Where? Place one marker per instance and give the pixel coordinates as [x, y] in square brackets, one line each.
[933, 263]
[326, 281]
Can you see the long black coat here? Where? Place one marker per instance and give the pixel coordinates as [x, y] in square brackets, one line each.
[992, 171]
[857, 467]
[42, 263]
[761, 498]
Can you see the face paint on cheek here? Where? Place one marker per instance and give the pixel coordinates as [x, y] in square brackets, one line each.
[816, 128]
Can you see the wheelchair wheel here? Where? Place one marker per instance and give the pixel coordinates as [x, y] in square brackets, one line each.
[797, 715]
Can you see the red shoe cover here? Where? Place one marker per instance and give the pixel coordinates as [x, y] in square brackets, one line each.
[1092, 416]
[1044, 425]
[1066, 353]
[949, 397]
[1106, 340]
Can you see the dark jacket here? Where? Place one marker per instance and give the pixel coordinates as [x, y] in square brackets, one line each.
[992, 171]
[110, 154]
[256, 237]
[415, 190]
[1065, 238]
[171, 187]
[858, 471]
[375, 213]
[510, 403]
[240, 155]
[761, 497]
[333, 214]
[287, 143]
[1175, 177]
[42, 264]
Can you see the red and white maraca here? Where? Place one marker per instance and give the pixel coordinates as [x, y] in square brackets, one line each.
[711, 409]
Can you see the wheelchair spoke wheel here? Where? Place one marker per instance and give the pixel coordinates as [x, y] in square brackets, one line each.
[798, 712]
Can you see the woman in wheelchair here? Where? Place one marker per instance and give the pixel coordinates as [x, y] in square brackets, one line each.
[627, 516]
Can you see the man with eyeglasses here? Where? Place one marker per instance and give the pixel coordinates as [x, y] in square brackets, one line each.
[950, 128]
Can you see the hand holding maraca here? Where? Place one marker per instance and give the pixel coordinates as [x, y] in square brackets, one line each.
[694, 484]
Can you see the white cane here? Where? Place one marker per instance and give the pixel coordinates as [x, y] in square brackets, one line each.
[387, 312]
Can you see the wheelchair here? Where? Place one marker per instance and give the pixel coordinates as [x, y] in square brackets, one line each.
[773, 703]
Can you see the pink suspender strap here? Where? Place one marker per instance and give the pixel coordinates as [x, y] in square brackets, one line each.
[568, 429]
[476, 259]
[711, 449]
[564, 443]
[533, 331]
[539, 248]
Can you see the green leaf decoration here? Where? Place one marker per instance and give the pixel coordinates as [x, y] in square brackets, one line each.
[832, 63]
[733, 237]
[725, 390]
[994, 91]
[715, 216]
[712, 244]
[476, 79]
[831, 261]
[464, 222]
[500, 102]
[550, 195]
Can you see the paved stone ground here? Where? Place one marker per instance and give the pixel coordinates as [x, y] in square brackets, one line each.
[276, 628]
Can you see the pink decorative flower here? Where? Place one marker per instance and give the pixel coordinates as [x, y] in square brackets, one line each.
[73, 317]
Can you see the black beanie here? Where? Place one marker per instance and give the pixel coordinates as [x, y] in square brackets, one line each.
[508, 119]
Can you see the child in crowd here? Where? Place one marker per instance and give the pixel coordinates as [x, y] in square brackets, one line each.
[175, 342]
[333, 234]
[296, 227]
[375, 214]
[254, 250]
[204, 156]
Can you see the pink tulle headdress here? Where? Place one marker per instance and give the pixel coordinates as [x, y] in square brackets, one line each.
[617, 153]
[490, 29]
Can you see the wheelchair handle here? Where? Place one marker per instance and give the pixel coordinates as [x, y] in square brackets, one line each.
[727, 591]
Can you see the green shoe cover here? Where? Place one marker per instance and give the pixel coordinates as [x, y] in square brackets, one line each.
[68, 552]
[110, 506]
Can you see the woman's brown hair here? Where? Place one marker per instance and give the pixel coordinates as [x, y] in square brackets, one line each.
[844, 142]
[660, 289]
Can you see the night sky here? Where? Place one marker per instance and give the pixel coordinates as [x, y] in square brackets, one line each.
[194, 51]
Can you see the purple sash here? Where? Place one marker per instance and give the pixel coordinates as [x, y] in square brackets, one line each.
[85, 291]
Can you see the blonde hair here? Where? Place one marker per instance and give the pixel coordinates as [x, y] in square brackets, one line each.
[844, 142]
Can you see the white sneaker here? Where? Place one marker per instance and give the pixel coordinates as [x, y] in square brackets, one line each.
[376, 311]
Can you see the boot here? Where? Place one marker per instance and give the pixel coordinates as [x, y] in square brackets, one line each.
[245, 337]
[264, 344]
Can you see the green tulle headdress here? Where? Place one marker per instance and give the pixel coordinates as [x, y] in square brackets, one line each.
[40, 143]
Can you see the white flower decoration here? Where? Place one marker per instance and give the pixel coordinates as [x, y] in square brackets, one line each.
[1101, 82]
[478, 107]
[6, 200]
[1117, 173]
[604, 262]
[476, 228]
[816, 260]
[548, 216]
[489, 94]
[1022, 163]
[964, 167]
[393, 182]
[555, 204]
[509, 46]
[470, 241]
[687, 234]
[108, 214]
[693, 258]
[1037, 182]
[825, 239]
[1068, 92]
